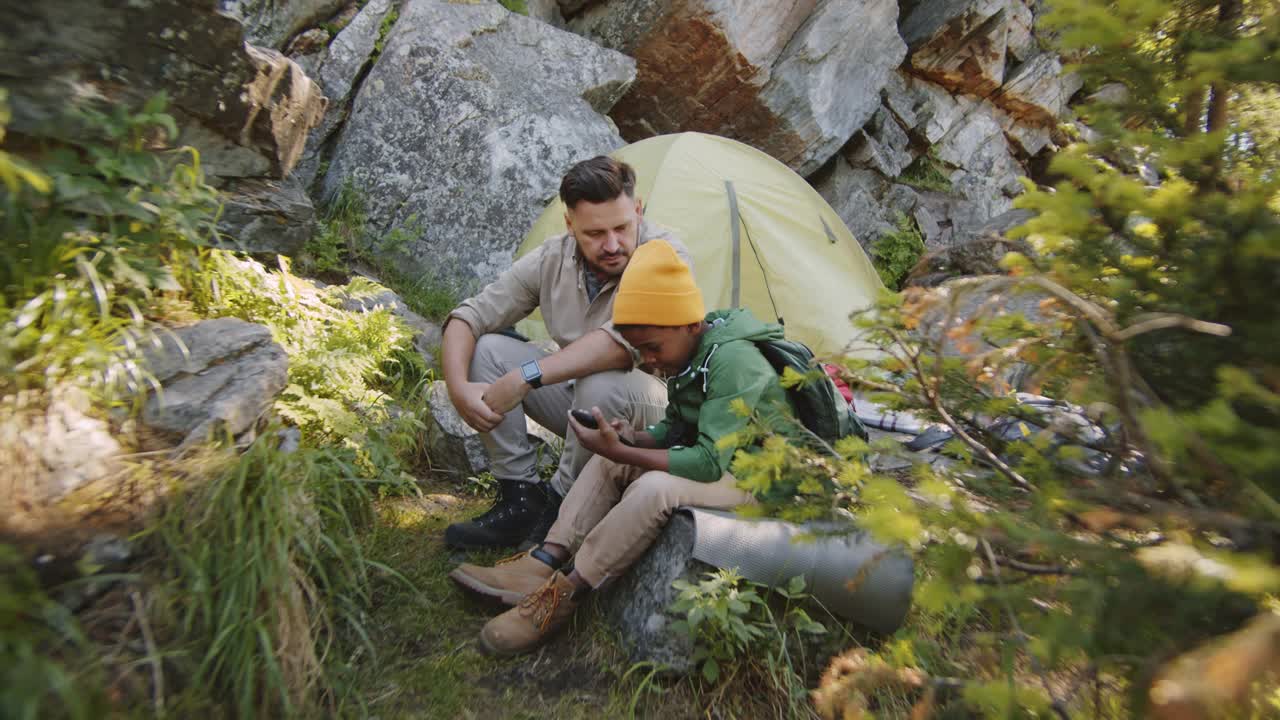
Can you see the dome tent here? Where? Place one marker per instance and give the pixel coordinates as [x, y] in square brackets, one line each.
[760, 236]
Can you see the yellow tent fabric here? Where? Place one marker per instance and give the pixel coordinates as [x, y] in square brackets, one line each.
[760, 236]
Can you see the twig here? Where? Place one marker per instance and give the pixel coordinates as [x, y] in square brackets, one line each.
[1057, 704]
[1034, 569]
[153, 655]
[932, 395]
[1164, 321]
[874, 385]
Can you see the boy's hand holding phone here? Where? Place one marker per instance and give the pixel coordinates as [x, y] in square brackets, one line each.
[597, 435]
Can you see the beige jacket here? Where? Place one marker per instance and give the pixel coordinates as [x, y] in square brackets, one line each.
[551, 278]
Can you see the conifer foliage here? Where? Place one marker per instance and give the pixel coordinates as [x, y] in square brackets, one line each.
[1090, 567]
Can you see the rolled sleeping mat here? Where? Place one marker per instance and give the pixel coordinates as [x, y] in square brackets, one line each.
[855, 577]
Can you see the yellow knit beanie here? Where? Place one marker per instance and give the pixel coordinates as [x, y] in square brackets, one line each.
[657, 288]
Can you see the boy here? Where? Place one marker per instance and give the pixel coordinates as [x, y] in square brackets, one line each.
[625, 493]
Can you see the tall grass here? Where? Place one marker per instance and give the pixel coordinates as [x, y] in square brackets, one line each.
[278, 568]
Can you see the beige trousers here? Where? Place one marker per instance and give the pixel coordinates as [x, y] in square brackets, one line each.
[614, 512]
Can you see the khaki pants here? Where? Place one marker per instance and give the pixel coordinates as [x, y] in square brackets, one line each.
[614, 512]
[635, 396]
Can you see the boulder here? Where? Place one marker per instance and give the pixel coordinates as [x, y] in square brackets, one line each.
[49, 451]
[452, 143]
[794, 79]
[247, 110]
[216, 375]
[266, 216]
[270, 23]
[337, 68]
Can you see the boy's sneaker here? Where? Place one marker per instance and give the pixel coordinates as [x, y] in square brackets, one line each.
[538, 616]
[512, 517]
[509, 580]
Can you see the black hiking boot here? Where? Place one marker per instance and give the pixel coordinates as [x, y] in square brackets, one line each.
[550, 511]
[513, 515]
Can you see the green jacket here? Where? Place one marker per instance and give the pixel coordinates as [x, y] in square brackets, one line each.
[726, 366]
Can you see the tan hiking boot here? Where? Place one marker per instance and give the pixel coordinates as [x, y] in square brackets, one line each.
[529, 624]
[508, 580]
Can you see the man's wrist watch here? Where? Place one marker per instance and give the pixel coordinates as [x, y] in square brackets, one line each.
[532, 374]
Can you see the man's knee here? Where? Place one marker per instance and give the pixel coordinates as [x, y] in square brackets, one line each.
[489, 358]
[605, 389]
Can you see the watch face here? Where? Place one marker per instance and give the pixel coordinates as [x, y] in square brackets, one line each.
[530, 371]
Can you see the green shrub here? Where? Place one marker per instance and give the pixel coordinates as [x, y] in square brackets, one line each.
[1156, 318]
[43, 672]
[896, 253]
[735, 632]
[97, 229]
[343, 366]
[926, 173]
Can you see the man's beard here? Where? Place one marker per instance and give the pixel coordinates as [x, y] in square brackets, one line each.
[605, 272]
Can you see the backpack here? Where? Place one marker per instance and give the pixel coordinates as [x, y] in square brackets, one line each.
[819, 405]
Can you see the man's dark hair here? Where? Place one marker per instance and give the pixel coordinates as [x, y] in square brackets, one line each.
[597, 180]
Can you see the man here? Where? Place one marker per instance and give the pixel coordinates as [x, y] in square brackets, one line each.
[494, 379]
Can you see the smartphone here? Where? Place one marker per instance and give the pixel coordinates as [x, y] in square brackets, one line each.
[585, 418]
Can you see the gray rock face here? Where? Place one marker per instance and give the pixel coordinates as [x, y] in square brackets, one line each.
[882, 145]
[827, 83]
[982, 187]
[247, 110]
[336, 68]
[54, 450]
[270, 23]
[1038, 91]
[857, 195]
[960, 44]
[452, 445]
[230, 373]
[924, 107]
[267, 216]
[967, 45]
[452, 141]
[987, 173]
[637, 604]
[794, 79]
[548, 11]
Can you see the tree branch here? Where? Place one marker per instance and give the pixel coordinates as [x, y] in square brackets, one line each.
[931, 394]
